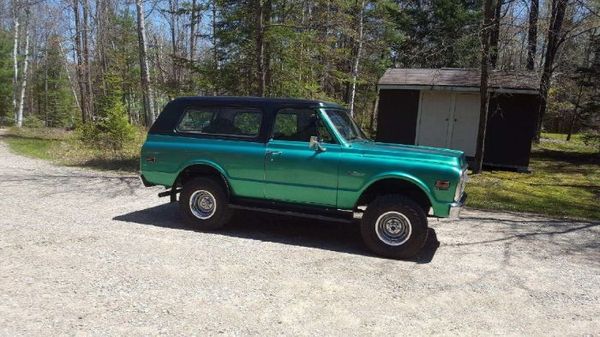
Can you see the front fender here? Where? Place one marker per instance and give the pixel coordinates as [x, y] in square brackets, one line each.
[402, 176]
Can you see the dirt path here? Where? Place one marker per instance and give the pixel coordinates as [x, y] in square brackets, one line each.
[94, 253]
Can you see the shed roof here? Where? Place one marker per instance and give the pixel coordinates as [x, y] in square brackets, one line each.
[469, 79]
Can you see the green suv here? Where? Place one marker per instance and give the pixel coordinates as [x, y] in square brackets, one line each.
[303, 158]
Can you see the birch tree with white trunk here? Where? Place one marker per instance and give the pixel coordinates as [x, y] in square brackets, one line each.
[25, 66]
[356, 63]
[15, 56]
[145, 71]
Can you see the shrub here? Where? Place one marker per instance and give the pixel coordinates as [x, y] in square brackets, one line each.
[111, 128]
[592, 138]
[33, 122]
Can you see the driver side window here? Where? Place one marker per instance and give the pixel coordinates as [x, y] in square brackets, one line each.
[299, 125]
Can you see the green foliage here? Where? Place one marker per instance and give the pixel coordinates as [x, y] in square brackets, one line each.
[6, 73]
[56, 106]
[592, 138]
[111, 129]
[124, 62]
[443, 34]
[33, 122]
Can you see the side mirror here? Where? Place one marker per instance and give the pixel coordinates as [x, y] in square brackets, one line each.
[314, 144]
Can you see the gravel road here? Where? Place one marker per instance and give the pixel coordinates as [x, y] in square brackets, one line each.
[86, 252]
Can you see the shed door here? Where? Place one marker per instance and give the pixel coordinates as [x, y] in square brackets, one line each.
[465, 123]
[433, 119]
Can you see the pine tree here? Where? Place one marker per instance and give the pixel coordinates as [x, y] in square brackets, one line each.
[55, 99]
[6, 73]
[111, 129]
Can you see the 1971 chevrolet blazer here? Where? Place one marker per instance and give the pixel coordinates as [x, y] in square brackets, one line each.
[298, 157]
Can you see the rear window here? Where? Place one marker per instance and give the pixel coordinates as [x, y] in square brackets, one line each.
[229, 121]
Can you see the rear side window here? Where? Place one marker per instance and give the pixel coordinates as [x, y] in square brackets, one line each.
[228, 121]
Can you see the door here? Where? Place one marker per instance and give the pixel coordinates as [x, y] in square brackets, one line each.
[293, 171]
[449, 120]
[434, 118]
[465, 123]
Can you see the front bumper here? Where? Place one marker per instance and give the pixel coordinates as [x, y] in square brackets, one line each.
[456, 207]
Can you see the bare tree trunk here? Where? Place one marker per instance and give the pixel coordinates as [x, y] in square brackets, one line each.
[86, 59]
[361, 19]
[576, 110]
[260, 47]
[15, 58]
[145, 71]
[532, 33]
[80, 65]
[483, 90]
[495, 34]
[263, 19]
[160, 71]
[173, 9]
[554, 37]
[25, 66]
[47, 119]
[193, 31]
[69, 78]
[215, 53]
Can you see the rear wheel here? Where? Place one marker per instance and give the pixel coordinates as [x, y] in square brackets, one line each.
[394, 226]
[203, 204]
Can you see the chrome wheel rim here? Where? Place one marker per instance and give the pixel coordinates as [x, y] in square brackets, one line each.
[203, 204]
[393, 228]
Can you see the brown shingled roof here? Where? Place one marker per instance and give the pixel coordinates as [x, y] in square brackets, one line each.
[445, 77]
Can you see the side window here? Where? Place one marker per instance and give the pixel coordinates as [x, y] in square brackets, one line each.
[229, 121]
[299, 125]
[195, 120]
[247, 122]
[286, 125]
[324, 134]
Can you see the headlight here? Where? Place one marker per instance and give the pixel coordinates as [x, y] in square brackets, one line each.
[461, 186]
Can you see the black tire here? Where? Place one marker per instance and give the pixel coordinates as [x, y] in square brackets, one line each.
[408, 242]
[213, 219]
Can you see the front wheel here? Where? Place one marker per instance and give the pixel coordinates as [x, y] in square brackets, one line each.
[394, 226]
[203, 204]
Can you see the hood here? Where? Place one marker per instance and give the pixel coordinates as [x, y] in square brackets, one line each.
[412, 152]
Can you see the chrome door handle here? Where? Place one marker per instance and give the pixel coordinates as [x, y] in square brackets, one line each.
[272, 154]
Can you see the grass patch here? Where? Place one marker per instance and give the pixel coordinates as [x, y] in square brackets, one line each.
[565, 181]
[65, 148]
[35, 143]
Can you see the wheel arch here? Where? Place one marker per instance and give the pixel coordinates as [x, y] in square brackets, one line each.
[396, 184]
[204, 169]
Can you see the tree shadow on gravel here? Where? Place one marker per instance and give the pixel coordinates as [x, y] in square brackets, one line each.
[288, 230]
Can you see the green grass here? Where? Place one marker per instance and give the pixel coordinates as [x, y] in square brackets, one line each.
[36, 143]
[565, 182]
[65, 148]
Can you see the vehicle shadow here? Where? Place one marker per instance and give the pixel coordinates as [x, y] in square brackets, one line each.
[339, 237]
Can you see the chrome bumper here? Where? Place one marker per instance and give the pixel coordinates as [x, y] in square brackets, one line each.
[456, 207]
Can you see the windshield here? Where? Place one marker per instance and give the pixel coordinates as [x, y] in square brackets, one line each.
[345, 125]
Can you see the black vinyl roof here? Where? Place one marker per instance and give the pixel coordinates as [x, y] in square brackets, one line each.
[171, 114]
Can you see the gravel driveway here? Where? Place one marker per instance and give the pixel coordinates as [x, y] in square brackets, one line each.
[85, 252]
